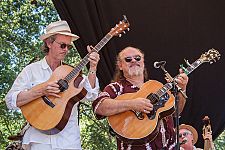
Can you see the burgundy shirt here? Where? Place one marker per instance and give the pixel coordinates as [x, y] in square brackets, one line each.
[121, 87]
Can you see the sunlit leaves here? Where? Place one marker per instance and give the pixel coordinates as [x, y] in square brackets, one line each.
[21, 25]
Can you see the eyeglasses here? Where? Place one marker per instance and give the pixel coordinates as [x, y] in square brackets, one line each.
[184, 134]
[63, 45]
[129, 58]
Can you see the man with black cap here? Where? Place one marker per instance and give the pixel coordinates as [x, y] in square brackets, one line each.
[57, 42]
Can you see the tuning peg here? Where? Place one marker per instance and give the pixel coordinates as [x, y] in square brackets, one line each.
[120, 35]
[120, 22]
[117, 25]
[112, 29]
[128, 29]
[124, 32]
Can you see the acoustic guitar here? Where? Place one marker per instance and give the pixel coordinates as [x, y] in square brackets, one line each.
[50, 114]
[139, 128]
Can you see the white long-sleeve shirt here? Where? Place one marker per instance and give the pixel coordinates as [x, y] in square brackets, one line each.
[39, 72]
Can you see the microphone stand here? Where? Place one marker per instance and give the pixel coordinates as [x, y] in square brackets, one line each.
[175, 91]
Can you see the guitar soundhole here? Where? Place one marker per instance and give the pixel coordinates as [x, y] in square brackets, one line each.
[63, 85]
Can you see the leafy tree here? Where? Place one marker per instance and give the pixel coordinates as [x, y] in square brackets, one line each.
[94, 134]
[21, 22]
[220, 142]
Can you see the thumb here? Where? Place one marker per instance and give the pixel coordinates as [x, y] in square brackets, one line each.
[89, 48]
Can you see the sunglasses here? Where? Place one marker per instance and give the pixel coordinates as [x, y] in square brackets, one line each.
[129, 58]
[63, 45]
[184, 134]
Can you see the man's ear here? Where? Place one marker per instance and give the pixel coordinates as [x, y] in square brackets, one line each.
[119, 65]
[48, 43]
[192, 139]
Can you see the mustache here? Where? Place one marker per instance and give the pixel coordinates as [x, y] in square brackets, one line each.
[135, 64]
[183, 142]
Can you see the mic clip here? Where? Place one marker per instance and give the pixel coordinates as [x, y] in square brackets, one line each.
[159, 64]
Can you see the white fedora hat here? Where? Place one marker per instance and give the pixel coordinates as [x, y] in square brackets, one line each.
[58, 27]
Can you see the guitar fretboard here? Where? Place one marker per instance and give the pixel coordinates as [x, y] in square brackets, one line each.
[193, 66]
[85, 60]
[169, 85]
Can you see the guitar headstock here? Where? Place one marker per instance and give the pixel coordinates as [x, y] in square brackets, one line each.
[121, 27]
[206, 121]
[211, 56]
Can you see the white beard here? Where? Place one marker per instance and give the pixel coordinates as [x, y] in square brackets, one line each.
[135, 71]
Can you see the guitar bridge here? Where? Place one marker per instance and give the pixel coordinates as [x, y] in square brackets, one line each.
[47, 101]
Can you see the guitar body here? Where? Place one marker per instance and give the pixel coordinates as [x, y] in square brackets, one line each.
[129, 128]
[52, 120]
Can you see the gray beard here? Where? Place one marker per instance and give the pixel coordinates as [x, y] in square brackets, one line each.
[135, 71]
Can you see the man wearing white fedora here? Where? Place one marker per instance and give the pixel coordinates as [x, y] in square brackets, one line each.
[57, 42]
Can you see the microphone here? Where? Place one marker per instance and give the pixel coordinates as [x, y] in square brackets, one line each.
[159, 64]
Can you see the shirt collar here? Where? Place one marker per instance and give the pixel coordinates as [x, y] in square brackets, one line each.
[44, 63]
[128, 83]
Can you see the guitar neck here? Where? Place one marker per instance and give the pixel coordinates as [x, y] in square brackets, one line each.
[192, 67]
[85, 60]
[169, 86]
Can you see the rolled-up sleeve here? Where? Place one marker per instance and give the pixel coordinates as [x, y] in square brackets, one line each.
[11, 100]
[92, 93]
[109, 91]
[20, 84]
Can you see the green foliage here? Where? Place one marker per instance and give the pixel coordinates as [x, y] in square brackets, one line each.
[10, 123]
[22, 22]
[95, 134]
[220, 141]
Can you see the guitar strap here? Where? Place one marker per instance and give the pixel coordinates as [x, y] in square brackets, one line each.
[78, 113]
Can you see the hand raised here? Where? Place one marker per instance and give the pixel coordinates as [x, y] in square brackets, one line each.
[93, 58]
